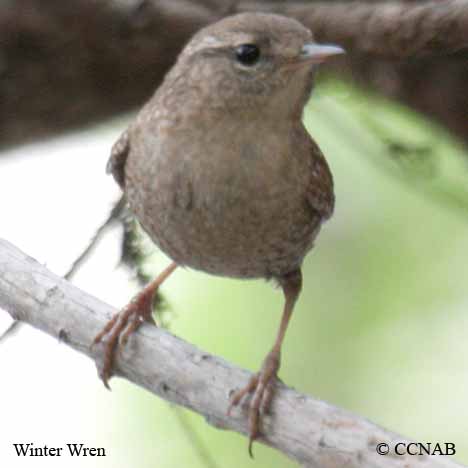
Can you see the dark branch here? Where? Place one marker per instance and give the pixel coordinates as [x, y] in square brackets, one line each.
[387, 29]
[67, 64]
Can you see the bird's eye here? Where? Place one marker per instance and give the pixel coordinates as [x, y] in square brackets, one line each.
[248, 54]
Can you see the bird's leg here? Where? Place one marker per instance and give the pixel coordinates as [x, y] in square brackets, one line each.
[262, 384]
[123, 324]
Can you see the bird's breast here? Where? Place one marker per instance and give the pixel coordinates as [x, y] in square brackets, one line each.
[230, 204]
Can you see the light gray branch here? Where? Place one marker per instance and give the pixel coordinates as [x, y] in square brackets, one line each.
[309, 431]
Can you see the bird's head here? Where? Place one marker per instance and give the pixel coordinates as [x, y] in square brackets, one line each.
[254, 61]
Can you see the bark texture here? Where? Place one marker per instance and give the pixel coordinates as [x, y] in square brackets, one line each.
[310, 431]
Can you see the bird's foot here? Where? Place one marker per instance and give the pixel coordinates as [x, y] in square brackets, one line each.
[262, 386]
[115, 334]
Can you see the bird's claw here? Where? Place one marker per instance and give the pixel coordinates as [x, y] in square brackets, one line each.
[262, 386]
[115, 335]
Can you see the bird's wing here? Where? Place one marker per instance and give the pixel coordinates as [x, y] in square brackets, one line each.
[118, 157]
[320, 194]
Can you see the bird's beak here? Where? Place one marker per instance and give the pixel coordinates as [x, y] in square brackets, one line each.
[318, 53]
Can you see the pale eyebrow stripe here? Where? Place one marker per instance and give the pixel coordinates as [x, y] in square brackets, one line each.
[211, 40]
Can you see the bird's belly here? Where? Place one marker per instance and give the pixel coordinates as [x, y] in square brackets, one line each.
[224, 230]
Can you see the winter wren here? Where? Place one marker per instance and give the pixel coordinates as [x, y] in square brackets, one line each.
[221, 173]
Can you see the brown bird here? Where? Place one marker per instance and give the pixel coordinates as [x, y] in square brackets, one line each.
[221, 173]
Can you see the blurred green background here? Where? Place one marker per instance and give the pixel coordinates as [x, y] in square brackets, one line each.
[381, 326]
